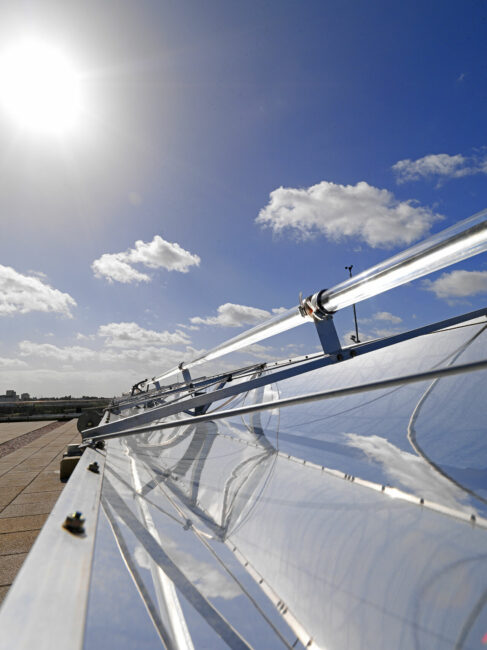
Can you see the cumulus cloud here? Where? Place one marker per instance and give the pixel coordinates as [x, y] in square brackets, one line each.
[12, 363]
[374, 327]
[146, 359]
[188, 327]
[85, 337]
[458, 284]
[149, 357]
[360, 211]
[440, 165]
[115, 268]
[47, 350]
[231, 315]
[155, 254]
[387, 316]
[22, 294]
[131, 334]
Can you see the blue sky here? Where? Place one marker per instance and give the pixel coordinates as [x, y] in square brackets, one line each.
[369, 116]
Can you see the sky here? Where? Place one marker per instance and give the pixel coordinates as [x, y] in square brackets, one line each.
[224, 157]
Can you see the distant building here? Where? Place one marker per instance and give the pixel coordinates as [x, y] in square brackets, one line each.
[25, 397]
[10, 394]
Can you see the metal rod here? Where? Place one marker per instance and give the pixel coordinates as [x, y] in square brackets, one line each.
[356, 340]
[301, 399]
[463, 240]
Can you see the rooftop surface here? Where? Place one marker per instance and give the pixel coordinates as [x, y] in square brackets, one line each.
[30, 453]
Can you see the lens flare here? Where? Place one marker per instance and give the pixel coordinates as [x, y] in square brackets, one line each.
[39, 87]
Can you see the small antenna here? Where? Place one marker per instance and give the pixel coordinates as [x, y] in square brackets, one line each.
[354, 337]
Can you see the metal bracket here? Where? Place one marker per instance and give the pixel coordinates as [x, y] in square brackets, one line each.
[186, 374]
[328, 335]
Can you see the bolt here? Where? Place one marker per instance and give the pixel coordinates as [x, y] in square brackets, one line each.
[75, 523]
[100, 444]
[94, 467]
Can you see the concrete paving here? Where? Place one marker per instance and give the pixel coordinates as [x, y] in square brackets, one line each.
[11, 430]
[29, 487]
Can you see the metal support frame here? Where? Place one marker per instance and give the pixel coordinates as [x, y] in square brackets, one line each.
[447, 371]
[279, 373]
[157, 395]
[328, 335]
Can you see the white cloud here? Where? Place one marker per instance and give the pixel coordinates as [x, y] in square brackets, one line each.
[277, 311]
[458, 284]
[231, 315]
[160, 253]
[259, 351]
[360, 211]
[113, 267]
[22, 294]
[85, 337]
[12, 363]
[131, 334]
[387, 316]
[156, 254]
[148, 356]
[188, 327]
[373, 328]
[439, 165]
[47, 350]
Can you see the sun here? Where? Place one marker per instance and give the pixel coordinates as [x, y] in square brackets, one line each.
[39, 87]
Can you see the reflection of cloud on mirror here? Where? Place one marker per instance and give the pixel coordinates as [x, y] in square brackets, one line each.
[411, 471]
[141, 557]
[211, 582]
[271, 394]
[206, 577]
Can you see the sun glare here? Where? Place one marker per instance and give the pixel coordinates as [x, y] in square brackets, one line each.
[39, 87]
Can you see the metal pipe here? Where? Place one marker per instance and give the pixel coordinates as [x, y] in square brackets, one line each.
[447, 371]
[281, 323]
[463, 240]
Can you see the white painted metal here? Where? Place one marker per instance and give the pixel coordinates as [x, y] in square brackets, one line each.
[46, 606]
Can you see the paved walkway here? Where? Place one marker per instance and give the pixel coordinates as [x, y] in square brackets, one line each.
[11, 430]
[29, 487]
